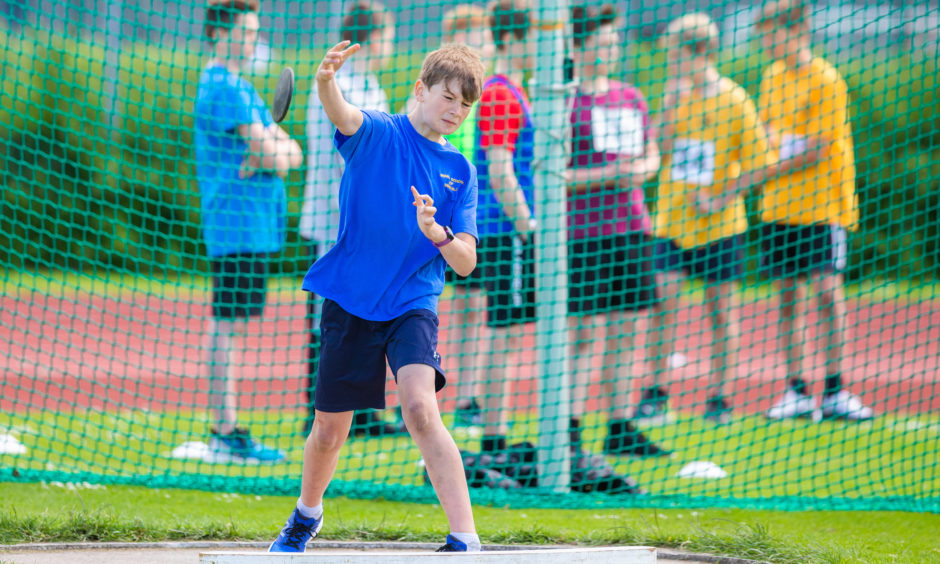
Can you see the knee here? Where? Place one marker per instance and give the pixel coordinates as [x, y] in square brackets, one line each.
[418, 415]
[327, 436]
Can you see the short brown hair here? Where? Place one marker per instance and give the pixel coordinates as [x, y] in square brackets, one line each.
[462, 17]
[782, 14]
[362, 20]
[696, 32]
[453, 61]
[222, 14]
[509, 17]
[585, 20]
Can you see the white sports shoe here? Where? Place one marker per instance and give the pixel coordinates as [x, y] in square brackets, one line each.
[677, 360]
[794, 404]
[844, 405]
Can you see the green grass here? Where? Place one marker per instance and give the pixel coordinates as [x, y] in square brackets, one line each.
[54, 512]
[188, 286]
[889, 461]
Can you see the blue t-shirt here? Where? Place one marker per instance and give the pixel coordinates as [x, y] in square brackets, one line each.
[382, 266]
[238, 215]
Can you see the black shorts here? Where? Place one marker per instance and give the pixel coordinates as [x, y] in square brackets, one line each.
[610, 273]
[509, 278]
[799, 250]
[473, 281]
[353, 353]
[720, 261]
[239, 285]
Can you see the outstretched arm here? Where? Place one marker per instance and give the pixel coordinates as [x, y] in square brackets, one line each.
[346, 117]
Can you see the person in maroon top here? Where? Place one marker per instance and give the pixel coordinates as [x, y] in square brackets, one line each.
[611, 277]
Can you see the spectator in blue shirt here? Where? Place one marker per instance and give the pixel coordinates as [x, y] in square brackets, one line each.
[242, 157]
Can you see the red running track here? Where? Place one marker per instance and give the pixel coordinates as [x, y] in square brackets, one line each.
[145, 352]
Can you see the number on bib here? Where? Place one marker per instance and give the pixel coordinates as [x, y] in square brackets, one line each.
[693, 161]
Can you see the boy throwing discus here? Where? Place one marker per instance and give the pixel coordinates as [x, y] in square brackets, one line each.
[407, 210]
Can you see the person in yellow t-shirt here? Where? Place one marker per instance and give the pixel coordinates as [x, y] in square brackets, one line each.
[807, 210]
[711, 137]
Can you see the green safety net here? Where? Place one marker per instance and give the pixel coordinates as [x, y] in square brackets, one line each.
[685, 332]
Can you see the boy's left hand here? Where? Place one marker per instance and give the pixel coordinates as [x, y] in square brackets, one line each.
[425, 214]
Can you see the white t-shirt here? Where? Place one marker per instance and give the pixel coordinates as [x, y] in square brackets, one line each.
[319, 217]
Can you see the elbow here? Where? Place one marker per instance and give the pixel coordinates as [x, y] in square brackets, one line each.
[296, 159]
[465, 271]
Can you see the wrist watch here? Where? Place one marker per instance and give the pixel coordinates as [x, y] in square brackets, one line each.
[450, 237]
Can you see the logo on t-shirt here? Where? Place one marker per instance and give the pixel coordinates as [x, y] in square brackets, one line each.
[617, 130]
[452, 184]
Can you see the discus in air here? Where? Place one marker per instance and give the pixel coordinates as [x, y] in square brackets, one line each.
[283, 94]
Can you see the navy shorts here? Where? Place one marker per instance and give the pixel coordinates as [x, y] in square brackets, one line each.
[721, 261]
[610, 273]
[353, 352]
[799, 250]
[239, 285]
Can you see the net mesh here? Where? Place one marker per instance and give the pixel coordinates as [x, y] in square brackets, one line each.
[664, 337]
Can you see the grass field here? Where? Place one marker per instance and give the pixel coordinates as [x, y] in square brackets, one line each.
[790, 464]
[52, 512]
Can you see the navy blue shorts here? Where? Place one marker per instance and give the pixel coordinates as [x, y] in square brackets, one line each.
[721, 261]
[239, 285]
[353, 351]
[799, 250]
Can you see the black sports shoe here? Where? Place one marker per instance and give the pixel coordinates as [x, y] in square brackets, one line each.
[468, 415]
[717, 410]
[653, 408]
[624, 439]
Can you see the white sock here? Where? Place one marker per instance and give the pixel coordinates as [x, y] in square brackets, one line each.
[472, 540]
[310, 512]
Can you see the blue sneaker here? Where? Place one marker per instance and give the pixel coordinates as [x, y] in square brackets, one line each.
[296, 532]
[238, 446]
[453, 545]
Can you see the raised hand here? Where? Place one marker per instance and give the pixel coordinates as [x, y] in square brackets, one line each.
[425, 216]
[334, 59]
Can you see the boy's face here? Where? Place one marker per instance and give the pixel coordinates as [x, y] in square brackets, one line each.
[443, 108]
[238, 42]
[601, 50]
[684, 61]
[523, 51]
[477, 37]
[778, 42]
[381, 47]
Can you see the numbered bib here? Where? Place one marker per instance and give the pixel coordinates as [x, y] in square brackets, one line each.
[791, 146]
[617, 130]
[693, 161]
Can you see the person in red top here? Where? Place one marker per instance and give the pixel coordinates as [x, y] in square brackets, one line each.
[505, 219]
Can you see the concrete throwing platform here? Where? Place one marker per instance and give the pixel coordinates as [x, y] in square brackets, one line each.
[603, 555]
